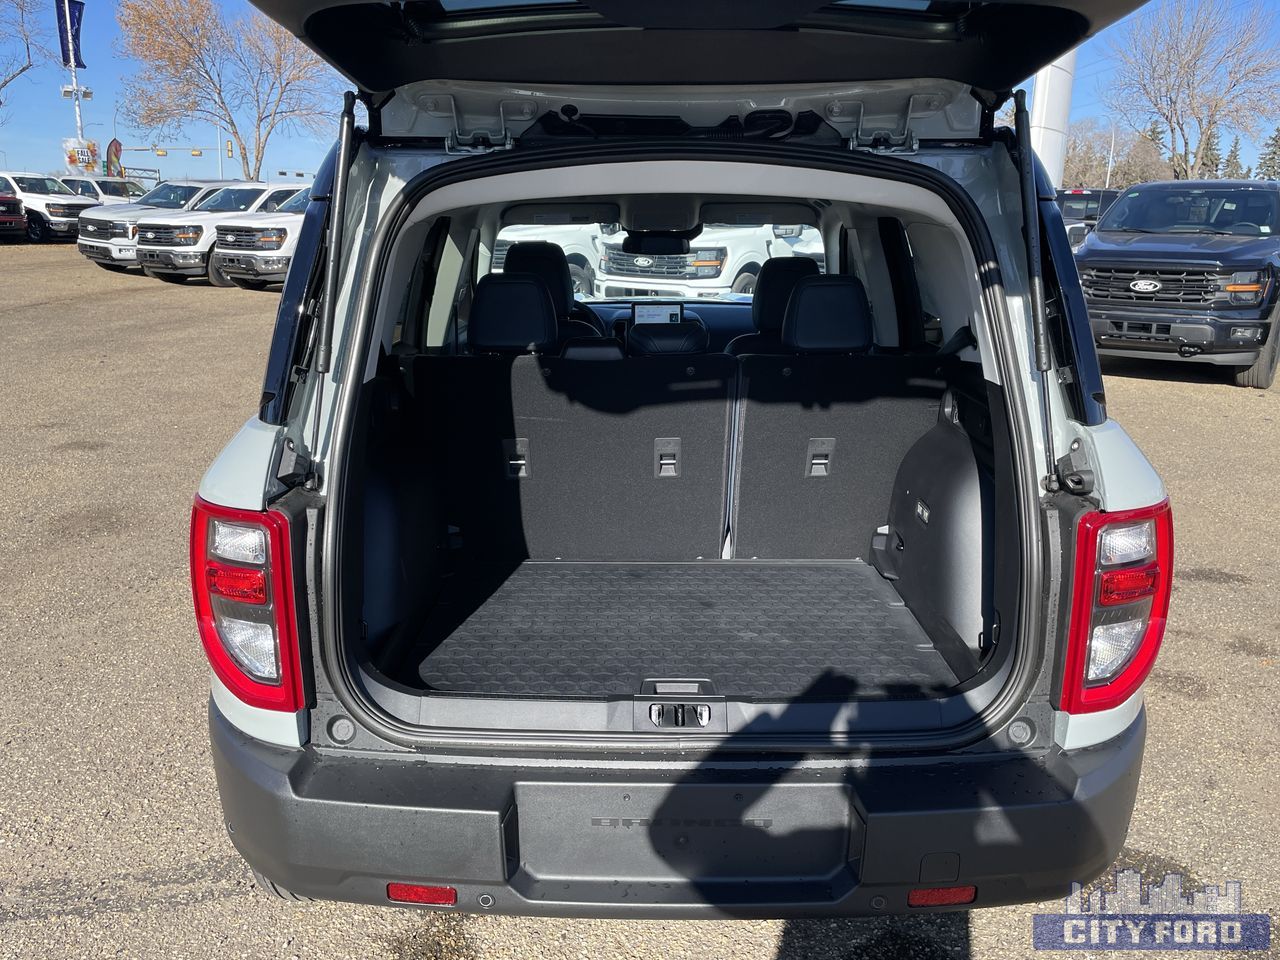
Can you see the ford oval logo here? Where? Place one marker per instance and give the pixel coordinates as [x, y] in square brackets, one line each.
[1145, 286]
[149, 235]
[643, 261]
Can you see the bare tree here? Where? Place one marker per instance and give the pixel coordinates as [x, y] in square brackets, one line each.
[1198, 67]
[22, 41]
[1136, 157]
[247, 75]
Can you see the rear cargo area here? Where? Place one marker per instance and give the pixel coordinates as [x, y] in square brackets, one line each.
[756, 630]
[774, 528]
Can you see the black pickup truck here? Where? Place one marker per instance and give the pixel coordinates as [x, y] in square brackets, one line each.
[1188, 270]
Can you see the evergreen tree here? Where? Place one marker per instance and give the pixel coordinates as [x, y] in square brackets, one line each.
[1233, 166]
[1269, 161]
[1209, 156]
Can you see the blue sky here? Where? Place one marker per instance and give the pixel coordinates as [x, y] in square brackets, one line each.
[37, 118]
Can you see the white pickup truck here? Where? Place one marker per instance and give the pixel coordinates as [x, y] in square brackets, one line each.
[722, 260]
[255, 250]
[176, 247]
[109, 235]
[108, 191]
[51, 208]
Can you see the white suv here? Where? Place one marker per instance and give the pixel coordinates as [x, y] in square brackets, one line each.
[108, 236]
[51, 208]
[176, 247]
[105, 190]
[255, 250]
[688, 608]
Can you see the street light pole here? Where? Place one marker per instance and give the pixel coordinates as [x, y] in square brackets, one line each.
[71, 62]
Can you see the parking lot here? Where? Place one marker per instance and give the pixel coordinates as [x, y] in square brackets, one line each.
[115, 393]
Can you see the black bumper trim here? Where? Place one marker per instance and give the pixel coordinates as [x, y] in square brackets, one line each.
[342, 826]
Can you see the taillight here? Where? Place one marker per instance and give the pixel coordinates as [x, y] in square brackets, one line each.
[1123, 576]
[242, 583]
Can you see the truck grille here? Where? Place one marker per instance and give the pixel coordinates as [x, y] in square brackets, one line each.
[10, 207]
[1175, 287]
[499, 255]
[238, 238]
[620, 264]
[161, 235]
[91, 229]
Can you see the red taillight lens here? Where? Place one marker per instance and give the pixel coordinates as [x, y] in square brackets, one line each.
[242, 585]
[1126, 586]
[1123, 578]
[941, 896]
[422, 893]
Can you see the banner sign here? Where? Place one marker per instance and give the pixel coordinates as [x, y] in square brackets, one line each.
[112, 166]
[69, 33]
[81, 156]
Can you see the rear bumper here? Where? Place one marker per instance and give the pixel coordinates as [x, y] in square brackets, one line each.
[1172, 335]
[252, 266]
[609, 842]
[189, 263]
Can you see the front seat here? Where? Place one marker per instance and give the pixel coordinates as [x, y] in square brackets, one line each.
[512, 313]
[828, 314]
[547, 260]
[774, 285]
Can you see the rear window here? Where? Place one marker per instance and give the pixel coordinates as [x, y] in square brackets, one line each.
[719, 264]
[1243, 211]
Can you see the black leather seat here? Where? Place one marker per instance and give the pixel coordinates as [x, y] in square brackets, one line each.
[659, 339]
[512, 313]
[774, 285]
[547, 261]
[828, 314]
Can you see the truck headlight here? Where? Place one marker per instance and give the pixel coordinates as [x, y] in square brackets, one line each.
[707, 262]
[1246, 288]
[271, 239]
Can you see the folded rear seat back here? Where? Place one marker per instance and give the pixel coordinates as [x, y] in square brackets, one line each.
[552, 458]
[821, 432]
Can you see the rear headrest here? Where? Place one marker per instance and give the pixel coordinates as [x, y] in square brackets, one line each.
[593, 348]
[545, 260]
[650, 339]
[512, 313]
[774, 284]
[828, 314]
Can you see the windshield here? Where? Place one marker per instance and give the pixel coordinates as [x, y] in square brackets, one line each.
[43, 185]
[169, 196]
[113, 188]
[134, 189]
[1173, 208]
[721, 262]
[231, 200]
[297, 203]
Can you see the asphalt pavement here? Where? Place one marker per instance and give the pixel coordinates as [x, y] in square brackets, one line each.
[116, 391]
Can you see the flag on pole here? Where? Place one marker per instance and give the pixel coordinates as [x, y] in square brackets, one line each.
[70, 14]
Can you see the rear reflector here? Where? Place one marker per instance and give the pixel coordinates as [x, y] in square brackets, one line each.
[421, 893]
[1125, 586]
[237, 583]
[941, 896]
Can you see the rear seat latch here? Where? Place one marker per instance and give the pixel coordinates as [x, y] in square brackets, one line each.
[680, 714]
[817, 461]
[666, 457]
[516, 453]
